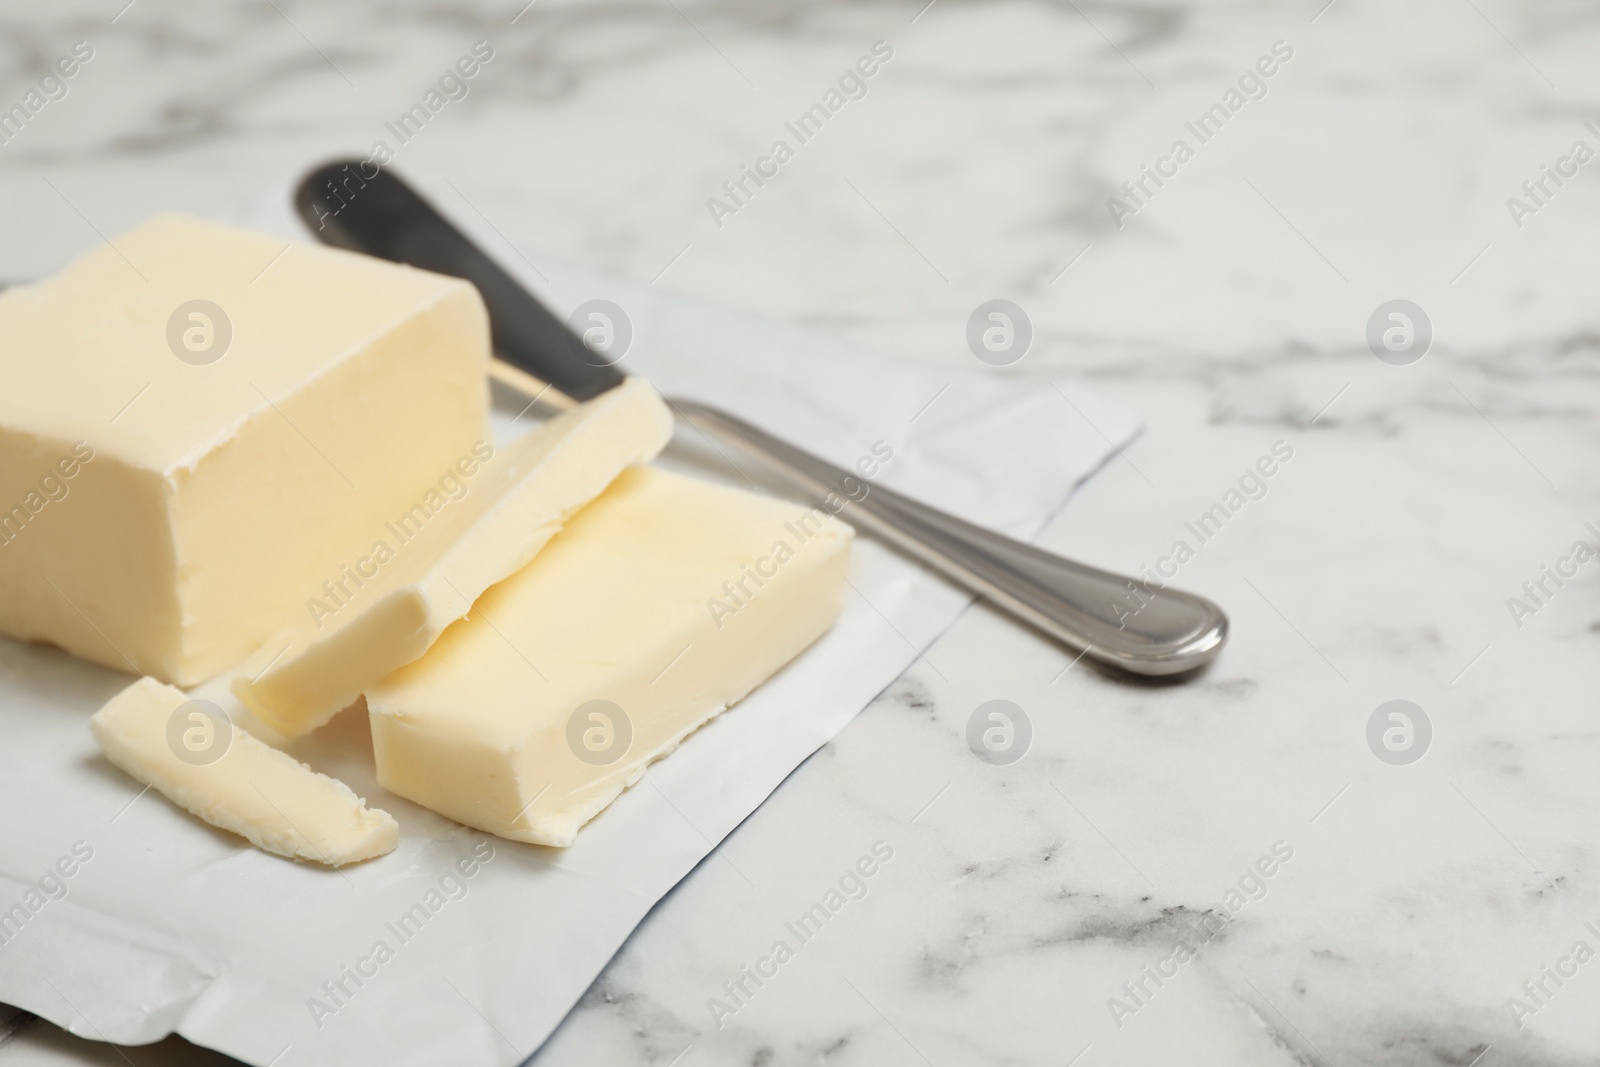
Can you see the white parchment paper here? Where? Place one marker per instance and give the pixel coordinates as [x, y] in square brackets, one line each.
[170, 925]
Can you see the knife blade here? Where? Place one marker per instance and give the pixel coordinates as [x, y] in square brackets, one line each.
[383, 216]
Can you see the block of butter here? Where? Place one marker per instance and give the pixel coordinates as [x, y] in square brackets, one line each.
[656, 607]
[427, 567]
[190, 753]
[198, 423]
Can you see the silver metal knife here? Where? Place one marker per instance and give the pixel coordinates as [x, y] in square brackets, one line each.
[1165, 631]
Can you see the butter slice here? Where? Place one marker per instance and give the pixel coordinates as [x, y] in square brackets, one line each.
[358, 630]
[667, 597]
[253, 790]
[165, 500]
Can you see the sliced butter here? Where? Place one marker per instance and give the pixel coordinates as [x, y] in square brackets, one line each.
[235, 782]
[656, 607]
[197, 423]
[420, 575]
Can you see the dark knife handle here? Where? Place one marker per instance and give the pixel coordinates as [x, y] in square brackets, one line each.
[358, 206]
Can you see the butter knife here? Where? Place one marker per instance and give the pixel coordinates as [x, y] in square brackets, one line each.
[1111, 620]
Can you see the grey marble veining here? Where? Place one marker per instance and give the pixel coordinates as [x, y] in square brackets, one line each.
[1230, 310]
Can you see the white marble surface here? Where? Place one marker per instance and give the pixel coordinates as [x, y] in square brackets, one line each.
[1230, 311]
